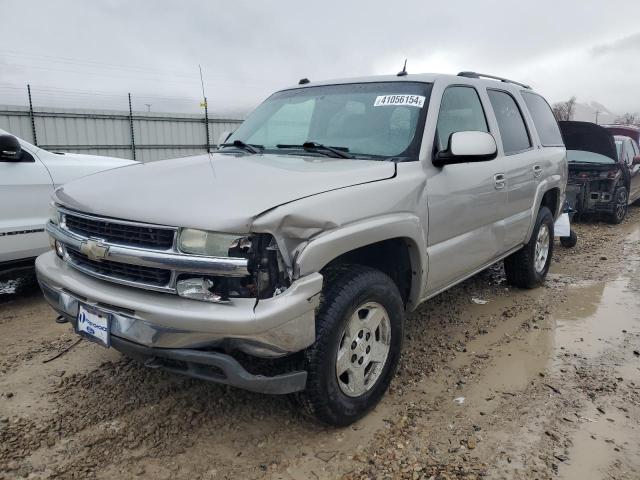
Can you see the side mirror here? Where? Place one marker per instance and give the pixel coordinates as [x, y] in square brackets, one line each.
[10, 148]
[467, 147]
[224, 136]
[636, 160]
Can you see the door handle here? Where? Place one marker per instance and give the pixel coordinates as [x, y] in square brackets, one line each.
[537, 171]
[500, 181]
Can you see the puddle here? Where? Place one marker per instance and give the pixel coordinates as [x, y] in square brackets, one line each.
[520, 361]
[599, 440]
[595, 315]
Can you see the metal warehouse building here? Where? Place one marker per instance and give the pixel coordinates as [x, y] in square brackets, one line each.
[145, 136]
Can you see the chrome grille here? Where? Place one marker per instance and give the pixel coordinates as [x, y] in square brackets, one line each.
[121, 233]
[156, 277]
[132, 253]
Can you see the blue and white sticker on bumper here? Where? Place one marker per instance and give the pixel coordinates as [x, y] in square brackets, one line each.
[94, 325]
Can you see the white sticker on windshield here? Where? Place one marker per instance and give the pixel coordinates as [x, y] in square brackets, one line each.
[410, 100]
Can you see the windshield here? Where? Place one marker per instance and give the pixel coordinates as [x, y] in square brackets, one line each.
[619, 148]
[587, 157]
[366, 120]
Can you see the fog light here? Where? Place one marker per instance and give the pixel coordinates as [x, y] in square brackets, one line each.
[198, 289]
[59, 249]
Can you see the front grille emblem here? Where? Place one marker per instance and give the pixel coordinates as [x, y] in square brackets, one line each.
[94, 249]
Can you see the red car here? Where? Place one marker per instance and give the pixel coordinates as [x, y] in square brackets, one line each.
[630, 131]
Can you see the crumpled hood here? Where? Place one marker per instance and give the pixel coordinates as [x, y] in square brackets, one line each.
[219, 192]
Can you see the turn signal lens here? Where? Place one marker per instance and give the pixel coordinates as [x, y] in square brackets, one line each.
[59, 249]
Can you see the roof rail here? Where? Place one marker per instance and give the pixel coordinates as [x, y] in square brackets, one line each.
[493, 77]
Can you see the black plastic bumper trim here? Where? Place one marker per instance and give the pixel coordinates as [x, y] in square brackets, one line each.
[226, 369]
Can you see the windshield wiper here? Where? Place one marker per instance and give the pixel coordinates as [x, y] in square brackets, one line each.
[336, 152]
[243, 146]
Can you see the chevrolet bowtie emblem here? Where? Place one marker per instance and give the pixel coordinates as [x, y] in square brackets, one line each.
[94, 249]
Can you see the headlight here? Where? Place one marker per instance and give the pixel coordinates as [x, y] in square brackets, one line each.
[210, 244]
[54, 215]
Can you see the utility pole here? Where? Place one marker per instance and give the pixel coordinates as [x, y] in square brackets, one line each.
[597, 113]
[32, 117]
[148, 105]
[206, 112]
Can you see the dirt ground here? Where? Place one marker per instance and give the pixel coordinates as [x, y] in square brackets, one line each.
[494, 382]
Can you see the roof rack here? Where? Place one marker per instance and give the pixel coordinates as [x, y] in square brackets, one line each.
[493, 77]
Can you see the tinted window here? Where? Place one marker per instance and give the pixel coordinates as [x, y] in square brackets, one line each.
[543, 118]
[513, 131]
[460, 111]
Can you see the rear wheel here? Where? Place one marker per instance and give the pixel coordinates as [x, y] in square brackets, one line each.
[528, 267]
[621, 205]
[359, 330]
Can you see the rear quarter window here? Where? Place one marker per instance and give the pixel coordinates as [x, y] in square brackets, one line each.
[543, 119]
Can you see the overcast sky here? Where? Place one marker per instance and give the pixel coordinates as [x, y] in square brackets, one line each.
[91, 53]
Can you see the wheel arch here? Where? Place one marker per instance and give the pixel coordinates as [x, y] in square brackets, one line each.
[550, 196]
[393, 245]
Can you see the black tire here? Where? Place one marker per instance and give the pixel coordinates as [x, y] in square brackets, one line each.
[520, 266]
[347, 288]
[621, 201]
[570, 241]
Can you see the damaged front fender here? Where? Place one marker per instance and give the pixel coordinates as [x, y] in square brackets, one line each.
[313, 231]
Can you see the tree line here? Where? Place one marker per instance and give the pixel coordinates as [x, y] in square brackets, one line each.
[565, 111]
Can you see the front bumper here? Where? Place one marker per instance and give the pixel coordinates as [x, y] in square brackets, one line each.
[273, 327]
[212, 366]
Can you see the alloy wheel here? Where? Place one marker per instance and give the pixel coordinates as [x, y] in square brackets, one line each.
[364, 349]
[542, 248]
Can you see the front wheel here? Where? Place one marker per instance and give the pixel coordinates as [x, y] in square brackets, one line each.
[528, 267]
[621, 201]
[359, 330]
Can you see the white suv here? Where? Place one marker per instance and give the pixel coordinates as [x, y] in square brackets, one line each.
[28, 177]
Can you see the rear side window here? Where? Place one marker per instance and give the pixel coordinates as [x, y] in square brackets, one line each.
[543, 118]
[460, 111]
[515, 137]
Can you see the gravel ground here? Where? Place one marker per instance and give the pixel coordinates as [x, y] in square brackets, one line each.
[531, 384]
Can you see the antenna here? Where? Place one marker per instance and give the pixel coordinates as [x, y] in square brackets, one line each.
[206, 111]
[404, 69]
[202, 83]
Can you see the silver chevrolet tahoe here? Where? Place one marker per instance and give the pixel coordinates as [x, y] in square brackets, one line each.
[286, 262]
